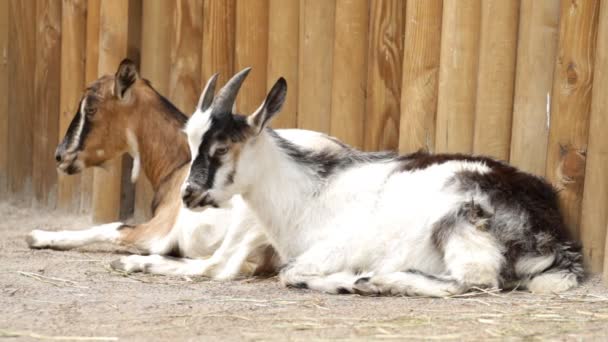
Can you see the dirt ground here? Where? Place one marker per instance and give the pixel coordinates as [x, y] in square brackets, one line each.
[74, 295]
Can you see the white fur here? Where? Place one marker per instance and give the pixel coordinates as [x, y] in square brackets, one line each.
[552, 282]
[67, 239]
[134, 152]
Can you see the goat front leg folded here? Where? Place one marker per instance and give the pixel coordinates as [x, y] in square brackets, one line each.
[228, 261]
[68, 239]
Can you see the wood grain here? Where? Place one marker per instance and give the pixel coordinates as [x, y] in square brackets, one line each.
[385, 62]
[219, 18]
[21, 101]
[185, 75]
[496, 76]
[421, 54]
[594, 216]
[91, 74]
[571, 104]
[155, 65]
[536, 49]
[113, 46]
[349, 77]
[47, 93]
[283, 45]
[251, 50]
[4, 87]
[73, 55]
[315, 64]
[460, 34]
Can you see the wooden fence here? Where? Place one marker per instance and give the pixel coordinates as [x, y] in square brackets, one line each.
[524, 81]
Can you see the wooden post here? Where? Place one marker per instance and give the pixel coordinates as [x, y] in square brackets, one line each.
[349, 79]
[155, 65]
[47, 93]
[185, 75]
[496, 75]
[536, 48]
[251, 50]
[570, 105]
[385, 61]
[115, 17]
[218, 40]
[283, 43]
[21, 92]
[421, 53]
[594, 217]
[73, 54]
[91, 74]
[315, 64]
[458, 75]
[4, 87]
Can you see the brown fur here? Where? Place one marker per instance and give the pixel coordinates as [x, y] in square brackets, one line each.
[162, 147]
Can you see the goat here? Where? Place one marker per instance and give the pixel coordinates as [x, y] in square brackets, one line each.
[123, 113]
[346, 221]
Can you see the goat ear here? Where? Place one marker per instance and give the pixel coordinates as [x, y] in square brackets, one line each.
[125, 77]
[204, 102]
[271, 106]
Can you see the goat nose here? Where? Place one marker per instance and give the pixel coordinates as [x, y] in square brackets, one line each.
[58, 156]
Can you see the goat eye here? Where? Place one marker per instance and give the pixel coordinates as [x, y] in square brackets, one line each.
[89, 111]
[220, 151]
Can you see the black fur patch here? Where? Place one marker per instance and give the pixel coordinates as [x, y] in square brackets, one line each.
[362, 280]
[300, 285]
[421, 160]
[324, 162]
[342, 290]
[527, 219]
[232, 128]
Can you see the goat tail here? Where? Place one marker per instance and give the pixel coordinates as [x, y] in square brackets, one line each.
[566, 271]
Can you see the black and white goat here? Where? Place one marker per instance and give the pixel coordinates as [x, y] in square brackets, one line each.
[123, 113]
[346, 221]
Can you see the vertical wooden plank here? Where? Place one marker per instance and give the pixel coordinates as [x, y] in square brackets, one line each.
[91, 74]
[421, 53]
[315, 64]
[570, 105]
[458, 75]
[594, 216]
[185, 75]
[4, 18]
[283, 43]
[155, 65]
[252, 50]
[385, 61]
[73, 55]
[47, 92]
[113, 47]
[536, 48]
[349, 77]
[218, 40]
[496, 75]
[21, 69]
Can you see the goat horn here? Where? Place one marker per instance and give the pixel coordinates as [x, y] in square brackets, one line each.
[225, 98]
